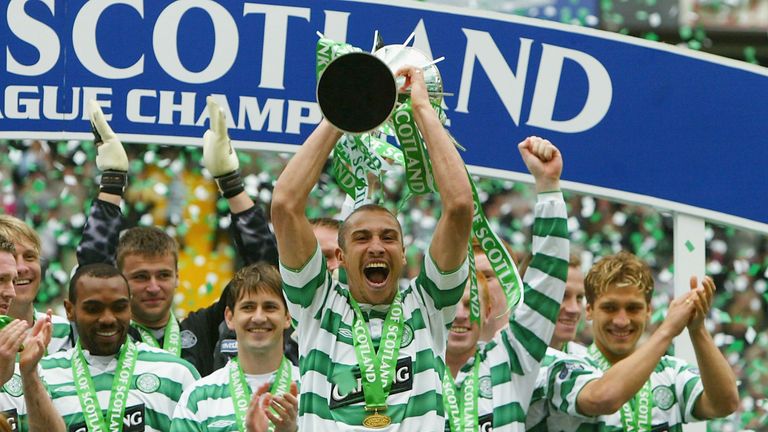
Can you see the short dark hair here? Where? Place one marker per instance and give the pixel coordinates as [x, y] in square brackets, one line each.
[260, 276]
[325, 222]
[6, 245]
[96, 270]
[147, 241]
[370, 208]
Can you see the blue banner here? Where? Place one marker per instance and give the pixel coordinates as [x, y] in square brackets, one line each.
[635, 119]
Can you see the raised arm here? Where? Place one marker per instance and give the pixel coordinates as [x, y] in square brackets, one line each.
[720, 397]
[102, 229]
[455, 224]
[626, 377]
[253, 238]
[295, 240]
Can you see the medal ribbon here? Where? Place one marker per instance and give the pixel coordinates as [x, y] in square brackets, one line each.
[636, 412]
[377, 369]
[171, 340]
[462, 412]
[241, 393]
[121, 385]
[501, 261]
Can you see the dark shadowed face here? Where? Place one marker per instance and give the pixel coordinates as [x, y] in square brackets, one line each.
[373, 256]
[328, 238]
[570, 309]
[7, 276]
[102, 313]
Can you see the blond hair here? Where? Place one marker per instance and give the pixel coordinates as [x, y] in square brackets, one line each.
[617, 271]
[15, 230]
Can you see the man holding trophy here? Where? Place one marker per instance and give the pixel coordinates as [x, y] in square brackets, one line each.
[372, 353]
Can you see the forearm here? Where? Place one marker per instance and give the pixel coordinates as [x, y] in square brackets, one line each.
[625, 378]
[295, 240]
[41, 414]
[447, 165]
[721, 396]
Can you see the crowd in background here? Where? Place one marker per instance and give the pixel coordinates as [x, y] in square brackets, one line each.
[50, 185]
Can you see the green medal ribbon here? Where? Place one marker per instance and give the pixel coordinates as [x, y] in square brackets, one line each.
[121, 385]
[377, 369]
[241, 393]
[171, 340]
[418, 169]
[474, 294]
[636, 413]
[500, 259]
[462, 412]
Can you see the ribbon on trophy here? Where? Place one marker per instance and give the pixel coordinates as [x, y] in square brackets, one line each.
[358, 93]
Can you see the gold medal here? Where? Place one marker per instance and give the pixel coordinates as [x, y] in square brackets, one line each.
[376, 420]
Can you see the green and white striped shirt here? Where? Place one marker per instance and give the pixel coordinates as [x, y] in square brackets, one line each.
[331, 392]
[561, 378]
[207, 405]
[511, 361]
[60, 337]
[158, 381]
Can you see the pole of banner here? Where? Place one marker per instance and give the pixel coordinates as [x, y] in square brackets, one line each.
[689, 254]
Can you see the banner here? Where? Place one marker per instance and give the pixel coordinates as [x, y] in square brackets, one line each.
[636, 120]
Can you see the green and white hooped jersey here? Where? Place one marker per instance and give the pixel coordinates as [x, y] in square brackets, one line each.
[510, 362]
[60, 337]
[675, 388]
[158, 380]
[12, 403]
[207, 405]
[561, 378]
[331, 391]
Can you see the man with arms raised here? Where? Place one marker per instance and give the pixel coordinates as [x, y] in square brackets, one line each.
[108, 382]
[256, 311]
[20, 353]
[148, 256]
[488, 386]
[27, 284]
[397, 337]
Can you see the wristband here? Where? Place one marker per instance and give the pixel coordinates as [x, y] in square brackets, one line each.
[230, 184]
[114, 182]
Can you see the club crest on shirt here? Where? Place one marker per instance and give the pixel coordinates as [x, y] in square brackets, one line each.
[148, 383]
[347, 387]
[133, 421]
[188, 339]
[12, 416]
[663, 397]
[13, 387]
[484, 389]
[407, 336]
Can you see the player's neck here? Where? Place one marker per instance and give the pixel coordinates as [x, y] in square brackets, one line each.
[23, 311]
[154, 324]
[558, 344]
[261, 362]
[457, 361]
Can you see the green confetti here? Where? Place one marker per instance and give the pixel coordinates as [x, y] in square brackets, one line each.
[689, 246]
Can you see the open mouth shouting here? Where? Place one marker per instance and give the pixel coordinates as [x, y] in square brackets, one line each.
[376, 273]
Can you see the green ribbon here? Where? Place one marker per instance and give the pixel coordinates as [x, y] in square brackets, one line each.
[377, 369]
[241, 393]
[327, 50]
[501, 261]
[462, 411]
[171, 338]
[121, 385]
[636, 413]
[418, 169]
